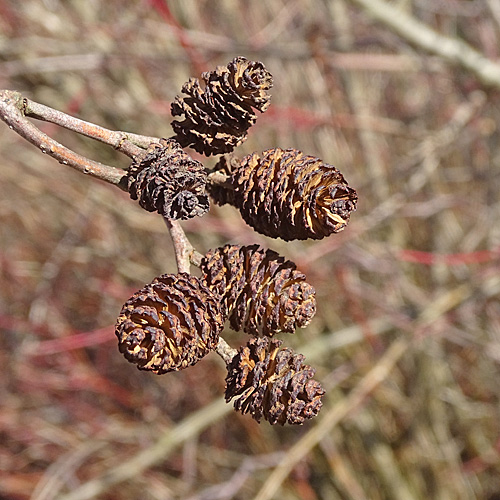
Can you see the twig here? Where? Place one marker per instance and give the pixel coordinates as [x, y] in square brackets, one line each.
[218, 178]
[225, 351]
[229, 489]
[494, 6]
[182, 246]
[452, 50]
[11, 112]
[125, 142]
[185, 254]
[191, 426]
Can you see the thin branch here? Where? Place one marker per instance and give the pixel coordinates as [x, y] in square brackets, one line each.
[450, 49]
[225, 351]
[11, 112]
[219, 178]
[196, 258]
[185, 254]
[125, 142]
[182, 246]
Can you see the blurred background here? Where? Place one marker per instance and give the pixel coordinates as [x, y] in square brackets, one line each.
[417, 268]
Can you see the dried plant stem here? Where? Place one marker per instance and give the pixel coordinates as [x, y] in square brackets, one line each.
[219, 179]
[11, 112]
[185, 254]
[450, 49]
[190, 427]
[225, 351]
[125, 142]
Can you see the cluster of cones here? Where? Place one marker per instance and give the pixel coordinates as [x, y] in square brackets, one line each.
[176, 320]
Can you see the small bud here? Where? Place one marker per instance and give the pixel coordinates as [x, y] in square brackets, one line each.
[169, 324]
[167, 180]
[261, 292]
[222, 194]
[273, 383]
[217, 118]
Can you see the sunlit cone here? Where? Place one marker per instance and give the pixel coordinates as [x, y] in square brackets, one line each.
[216, 118]
[261, 292]
[167, 180]
[287, 194]
[169, 324]
[273, 383]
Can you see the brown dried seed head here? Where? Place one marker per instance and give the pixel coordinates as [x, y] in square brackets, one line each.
[217, 118]
[273, 383]
[261, 292]
[169, 324]
[167, 180]
[287, 194]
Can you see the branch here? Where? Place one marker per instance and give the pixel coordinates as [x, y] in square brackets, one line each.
[12, 113]
[185, 254]
[125, 142]
[218, 178]
[225, 351]
[450, 49]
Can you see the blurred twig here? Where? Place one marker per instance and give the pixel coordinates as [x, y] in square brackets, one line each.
[58, 473]
[450, 49]
[495, 10]
[190, 426]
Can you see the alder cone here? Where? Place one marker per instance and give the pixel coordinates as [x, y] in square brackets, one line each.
[287, 194]
[169, 324]
[260, 292]
[167, 180]
[217, 118]
[273, 383]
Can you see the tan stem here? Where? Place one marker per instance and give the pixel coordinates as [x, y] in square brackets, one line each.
[125, 142]
[12, 113]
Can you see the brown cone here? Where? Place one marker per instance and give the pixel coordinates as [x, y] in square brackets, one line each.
[169, 324]
[261, 292]
[217, 118]
[286, 194]
[273, 383]
[167, 180]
